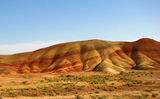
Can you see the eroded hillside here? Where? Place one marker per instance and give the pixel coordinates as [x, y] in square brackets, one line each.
[91, 55]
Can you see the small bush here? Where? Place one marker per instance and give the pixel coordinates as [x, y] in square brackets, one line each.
[69, 76]
[42, 81]
[48, 79]
[138, 97]
[25, 82]
[93, 97]
[130, 84]
[145, 95]
[122, 73]
[9, 89]
[154, 95]
[102, 97]
[81, 87]
[79, 97]
[151, 73]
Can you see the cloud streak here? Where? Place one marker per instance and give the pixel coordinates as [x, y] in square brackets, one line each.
[25, 47]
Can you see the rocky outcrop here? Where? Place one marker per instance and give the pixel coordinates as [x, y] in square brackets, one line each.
[91, 55]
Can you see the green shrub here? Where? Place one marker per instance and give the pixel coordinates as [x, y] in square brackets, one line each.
[25, 82]
[102, 97]
[9, 89]
[145, 95]
[41, 81]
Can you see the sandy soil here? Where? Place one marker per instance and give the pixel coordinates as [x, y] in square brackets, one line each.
[131, 85]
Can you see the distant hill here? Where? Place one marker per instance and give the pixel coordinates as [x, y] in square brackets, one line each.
[90, 55]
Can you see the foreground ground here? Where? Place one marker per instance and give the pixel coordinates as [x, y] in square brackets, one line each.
[81, 85]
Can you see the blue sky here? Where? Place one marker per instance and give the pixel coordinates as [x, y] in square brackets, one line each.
[28, 21]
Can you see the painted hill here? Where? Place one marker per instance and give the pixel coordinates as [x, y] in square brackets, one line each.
[91, 55]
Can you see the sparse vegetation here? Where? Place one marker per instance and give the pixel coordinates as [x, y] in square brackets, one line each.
[102, 97]
[27, 76]
[79, 97]
[76, 84]
[154, 95]
[145, 95]
[25, 82]
[149, 82]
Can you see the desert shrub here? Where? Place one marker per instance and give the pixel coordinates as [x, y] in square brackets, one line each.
[48, 79]
[149, 82]
[2, 89]
[55, 86]
[130, 84]
[106, 88]
[151, 73]
[68, 76]
[9, 89]
[93, 97]
[70, 87]
[138, 97]
[137, 81]
[133, 82]
[94, 82]
[123, 73]
[79, 97]
[41, 81]
[102, 97]
[81, 87]
[154, 94]
[25, 82]
[113, 83]
[145, 95]
[94, 79]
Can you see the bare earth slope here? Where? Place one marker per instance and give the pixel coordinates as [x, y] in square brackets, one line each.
[91, 55]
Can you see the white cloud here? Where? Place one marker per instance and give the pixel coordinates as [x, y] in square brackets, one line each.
[24, 47]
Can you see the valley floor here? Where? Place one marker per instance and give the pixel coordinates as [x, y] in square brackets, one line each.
[134, 84]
